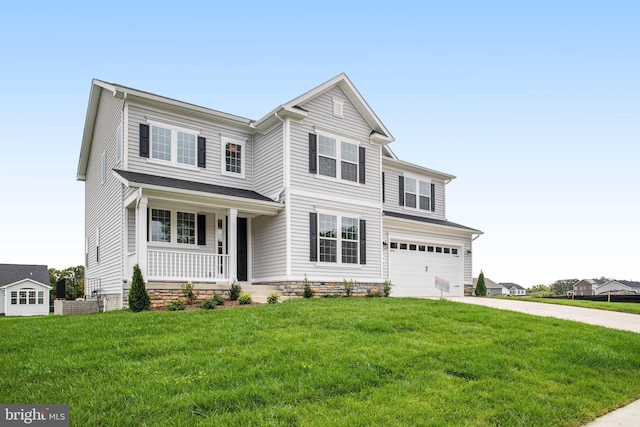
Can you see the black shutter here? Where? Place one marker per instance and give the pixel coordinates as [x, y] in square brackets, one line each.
[313, 153]
[433, 197]
[144, 140]
[361, 160]
[202, 230]
[382, 187]
[363, 241]
[147, 224]
[313, 236]
[202, 152]
[401, 188]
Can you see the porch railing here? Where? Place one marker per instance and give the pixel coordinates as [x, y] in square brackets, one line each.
[186, 266]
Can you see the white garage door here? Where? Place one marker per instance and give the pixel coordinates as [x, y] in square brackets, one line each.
[422, 269]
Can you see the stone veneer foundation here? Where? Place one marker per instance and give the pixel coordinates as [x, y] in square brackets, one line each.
[296, 288]
[162, 293]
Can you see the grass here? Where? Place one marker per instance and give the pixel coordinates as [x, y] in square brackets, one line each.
[623, 307]
[319, 362]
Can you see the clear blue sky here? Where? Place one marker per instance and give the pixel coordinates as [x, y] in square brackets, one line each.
[534, 106]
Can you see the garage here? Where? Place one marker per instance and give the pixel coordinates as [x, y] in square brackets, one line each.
[425, 269]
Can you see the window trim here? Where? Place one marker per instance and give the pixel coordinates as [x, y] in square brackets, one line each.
[338, 157]
[339, 216]
[417, 193]
[174, 129]
[223, 155]
[173, 228]
[28, 295]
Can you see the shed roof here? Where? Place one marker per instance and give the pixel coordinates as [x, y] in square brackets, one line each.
[12, 273]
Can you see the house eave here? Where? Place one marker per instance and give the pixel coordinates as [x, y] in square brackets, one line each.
[26, 279]
[410, 167]
[416, 222]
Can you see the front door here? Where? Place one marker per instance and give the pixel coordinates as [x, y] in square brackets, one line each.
[242, 254]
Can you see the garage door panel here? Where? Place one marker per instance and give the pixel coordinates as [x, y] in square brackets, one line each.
[413, 272]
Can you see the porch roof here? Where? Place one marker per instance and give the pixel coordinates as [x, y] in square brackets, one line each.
[143, 180]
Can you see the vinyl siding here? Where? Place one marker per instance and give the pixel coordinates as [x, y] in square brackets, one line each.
[301, 266]
[103, 202]
[430, 237]
[131, 231]
[213, 132]
[352, 125]
[268, 162]
[392, 197]
[269, 252]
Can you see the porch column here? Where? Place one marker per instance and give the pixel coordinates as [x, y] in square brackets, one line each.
[233, 244]
[141, 236]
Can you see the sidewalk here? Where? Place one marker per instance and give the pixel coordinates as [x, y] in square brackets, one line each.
[627, 415]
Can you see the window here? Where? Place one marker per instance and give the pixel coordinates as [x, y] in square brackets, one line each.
[40, 297]
[14, 297]
[160, 225]
[27, 296]
[454, 251]
[421, 248]
[394, 245]
[23, 297]
[173, 144]
[412, 247]
[186, 228]
[233, 156]
[331, 243]
[417, 194]
[339, 158]
[403, 246]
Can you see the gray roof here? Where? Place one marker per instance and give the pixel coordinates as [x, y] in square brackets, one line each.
[162, 181]
[430, 221]
[630, 283]
[12, 273]
[509, 285]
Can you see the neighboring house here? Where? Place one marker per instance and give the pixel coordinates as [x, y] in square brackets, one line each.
[24, 290]
[311, 190]
[493, 289]
[514, 289]
[618, 287]
[586, 287]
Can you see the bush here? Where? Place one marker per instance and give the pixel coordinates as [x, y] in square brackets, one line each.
[244, 299]
[176, 305]
[209, 304]
[329, 296]
[234, 291]
[273, 298]
[187, 291]
[386, 287]
[374, 294]
[348, 287]
[138, 297]
[308, 292]
[218, 300]
[481, 287]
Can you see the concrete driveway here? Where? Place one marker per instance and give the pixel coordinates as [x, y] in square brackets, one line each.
[608, 319]
[626, 416]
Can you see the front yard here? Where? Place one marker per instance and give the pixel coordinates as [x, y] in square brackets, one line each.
[320, 362]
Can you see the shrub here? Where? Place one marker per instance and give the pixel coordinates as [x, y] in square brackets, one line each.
[348, 287]
[273, 298]
[330, 296]
[244, 299]
[138, 297]
[308, 292]
[481, 287]
[209, 304]
[374, 294]
[234, 291]
[218, 300]
[386, 287]
[187, 291]
[176, 305]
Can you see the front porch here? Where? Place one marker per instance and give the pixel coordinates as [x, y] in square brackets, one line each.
[182, 266]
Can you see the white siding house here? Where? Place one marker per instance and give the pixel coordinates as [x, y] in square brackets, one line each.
[24, 290]
[311, 191]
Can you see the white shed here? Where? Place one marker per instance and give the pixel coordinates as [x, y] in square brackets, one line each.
[24, 290]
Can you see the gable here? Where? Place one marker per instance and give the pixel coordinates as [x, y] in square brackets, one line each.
[13, 273]
[27, 283]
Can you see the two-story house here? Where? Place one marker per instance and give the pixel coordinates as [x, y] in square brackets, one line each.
[311, 190]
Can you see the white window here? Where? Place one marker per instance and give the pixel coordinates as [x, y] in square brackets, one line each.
[333, 150]
[174, 144]
[164, 227]
[331, 242]
[27, 296]
[233, 157]
[417, 194]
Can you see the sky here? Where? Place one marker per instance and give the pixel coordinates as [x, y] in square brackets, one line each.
[533, 106]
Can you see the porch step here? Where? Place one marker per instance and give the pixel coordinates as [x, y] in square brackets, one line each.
[259, 293]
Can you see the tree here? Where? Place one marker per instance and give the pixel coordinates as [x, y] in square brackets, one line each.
[74, 277]
[560, 287]
[481, 287]
[138, 296]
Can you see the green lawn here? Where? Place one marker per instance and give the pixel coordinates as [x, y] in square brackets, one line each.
[623, 307]
[321, 362]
